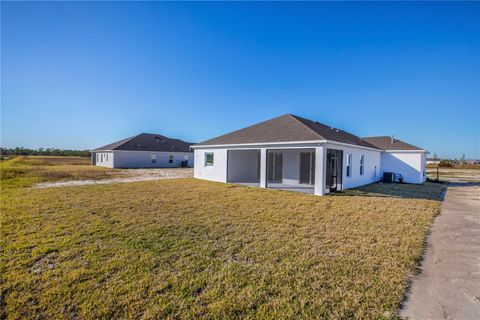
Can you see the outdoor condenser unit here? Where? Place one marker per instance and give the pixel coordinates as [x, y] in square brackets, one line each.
[388, 177]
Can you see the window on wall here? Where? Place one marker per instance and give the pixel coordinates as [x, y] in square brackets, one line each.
[349, 165]
[170, 159]
[185, 157]
[106, 156]
[98, 157]
[101, 157]
[362, 165]
[208, 159]
[153, 158]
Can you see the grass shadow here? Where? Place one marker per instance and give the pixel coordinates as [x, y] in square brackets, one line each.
[427, 191]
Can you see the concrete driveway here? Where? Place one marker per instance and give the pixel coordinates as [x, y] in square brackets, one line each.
[449, 284]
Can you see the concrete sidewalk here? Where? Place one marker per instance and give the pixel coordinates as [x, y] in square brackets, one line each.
[449, 284]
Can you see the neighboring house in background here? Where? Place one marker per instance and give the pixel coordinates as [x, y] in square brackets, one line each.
[294, 153]
[145, 150]
[433, 161]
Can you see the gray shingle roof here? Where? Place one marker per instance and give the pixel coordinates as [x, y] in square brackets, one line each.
[287, 128]
[149, 142]
[389, 143]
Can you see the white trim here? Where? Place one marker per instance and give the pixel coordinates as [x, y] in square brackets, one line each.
[348, 165]
[141, 151]
[259, 144]
[406, 151]
[255, 144]
[353, 145]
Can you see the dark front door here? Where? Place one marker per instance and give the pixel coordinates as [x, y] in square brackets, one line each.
[274, 166]
[334, 169]
[307, 168]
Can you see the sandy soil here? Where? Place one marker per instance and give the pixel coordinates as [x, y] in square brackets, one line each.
[126, 175]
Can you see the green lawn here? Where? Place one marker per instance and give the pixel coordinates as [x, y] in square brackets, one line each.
[194, 249]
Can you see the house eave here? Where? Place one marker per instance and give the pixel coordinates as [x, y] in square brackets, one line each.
[407, 151]
[207, 146]
[241, 145]
[110, 150]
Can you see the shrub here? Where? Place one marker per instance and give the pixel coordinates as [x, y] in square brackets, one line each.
[445, 164]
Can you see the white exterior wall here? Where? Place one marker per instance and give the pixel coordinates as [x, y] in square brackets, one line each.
[291, 164]
[142, 159]
[372, 168]
[243, 166]
[217, 172]
[411, 165]
[104, 159]
[320, 171]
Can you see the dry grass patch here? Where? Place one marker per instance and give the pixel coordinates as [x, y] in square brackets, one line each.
[427, 190]
[27, 170]
[194, 249]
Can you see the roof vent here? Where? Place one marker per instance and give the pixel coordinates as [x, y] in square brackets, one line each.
[158, 139]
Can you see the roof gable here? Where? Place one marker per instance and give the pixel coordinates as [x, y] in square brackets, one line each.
[334, 134]
[390, 143]
[149, 142]
[286, 128]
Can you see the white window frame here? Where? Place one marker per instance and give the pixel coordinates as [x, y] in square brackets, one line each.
[348, 170]
[153, 158]
[209, 164]
[170, 158]
[362, 165]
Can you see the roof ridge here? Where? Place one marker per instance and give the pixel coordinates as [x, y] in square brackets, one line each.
[384, 136]
[297, 118]
[126, 140]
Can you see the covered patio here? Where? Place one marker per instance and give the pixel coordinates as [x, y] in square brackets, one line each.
[291, 169]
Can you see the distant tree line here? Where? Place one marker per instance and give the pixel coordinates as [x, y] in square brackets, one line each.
[20, 151]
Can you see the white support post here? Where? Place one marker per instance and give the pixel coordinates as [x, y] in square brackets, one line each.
[320, 170]
[263, 168]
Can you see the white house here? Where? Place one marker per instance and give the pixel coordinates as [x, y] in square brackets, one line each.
[145, 150]
[294, 153]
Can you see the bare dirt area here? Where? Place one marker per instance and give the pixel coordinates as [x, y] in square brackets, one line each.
[124, 176]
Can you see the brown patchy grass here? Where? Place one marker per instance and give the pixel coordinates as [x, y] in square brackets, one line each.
[28, 170]
[428, 190]
[454, 174]
[194, 249]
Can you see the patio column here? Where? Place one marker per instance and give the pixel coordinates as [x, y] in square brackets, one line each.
[263, 168]
[320, 170]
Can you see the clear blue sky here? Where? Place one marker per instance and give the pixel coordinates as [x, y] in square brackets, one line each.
[84, 74]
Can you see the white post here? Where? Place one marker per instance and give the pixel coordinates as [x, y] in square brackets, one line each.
[320, 170]
[263, 168]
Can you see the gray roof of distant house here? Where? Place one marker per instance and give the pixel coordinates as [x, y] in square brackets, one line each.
[149, 142]
[287, 128]
[390, 143]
